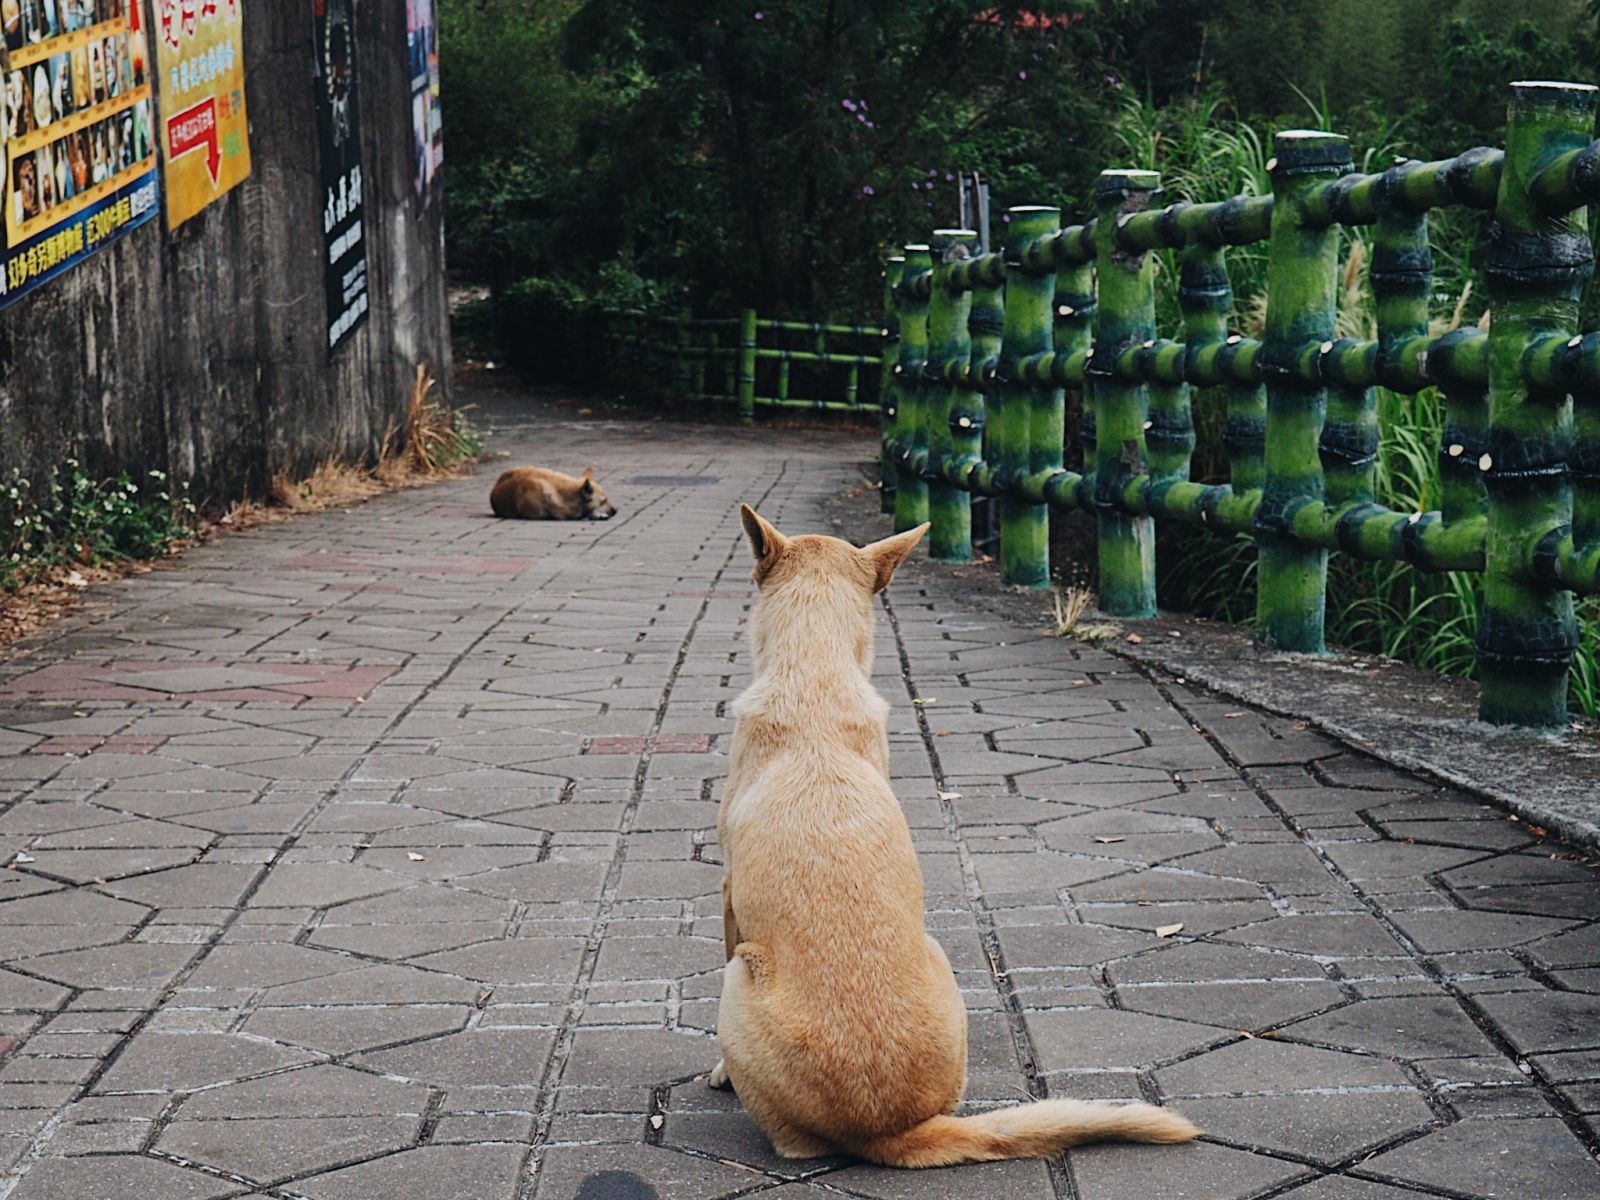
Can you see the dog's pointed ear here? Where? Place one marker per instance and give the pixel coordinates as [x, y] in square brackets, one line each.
[886, 556]
[588, 481]
[766, 543]
[588, 473]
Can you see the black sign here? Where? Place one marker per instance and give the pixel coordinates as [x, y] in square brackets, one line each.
[339, 129]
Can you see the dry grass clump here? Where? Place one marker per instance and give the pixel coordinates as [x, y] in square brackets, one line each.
[433, 441]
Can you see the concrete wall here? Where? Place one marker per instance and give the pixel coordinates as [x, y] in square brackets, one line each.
[203, 352]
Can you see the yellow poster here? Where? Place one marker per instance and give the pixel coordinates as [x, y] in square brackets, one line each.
[205, 138]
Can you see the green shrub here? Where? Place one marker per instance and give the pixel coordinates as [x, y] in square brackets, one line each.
[75, 520]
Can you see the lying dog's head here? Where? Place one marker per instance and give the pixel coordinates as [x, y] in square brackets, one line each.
[818, 586]
[595, 505]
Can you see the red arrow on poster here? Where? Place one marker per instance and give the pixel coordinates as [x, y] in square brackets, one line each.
[194, 127]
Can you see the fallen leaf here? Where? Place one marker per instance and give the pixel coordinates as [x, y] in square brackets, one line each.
[1169, 930]
[929, 700]
[1173, 633]
[657, 1121]
[483, 996]
[23, 858]
[1538, 831]
[76, 580]
[1135, 640]
[1106, 841]
[1245, 1033]
[949, 795]
[942, 733]
[1235, 714]
[414, 856]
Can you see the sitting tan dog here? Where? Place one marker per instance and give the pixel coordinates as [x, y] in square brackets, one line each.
[841, 1024]
[535, 494]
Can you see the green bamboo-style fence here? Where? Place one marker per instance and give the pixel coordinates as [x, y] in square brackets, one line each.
[748, 361]
[981, 348]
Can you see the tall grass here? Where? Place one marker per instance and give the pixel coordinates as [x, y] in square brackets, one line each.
[1387, 608]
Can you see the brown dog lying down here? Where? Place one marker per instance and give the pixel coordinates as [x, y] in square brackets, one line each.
[841, 1024]
[535, 494]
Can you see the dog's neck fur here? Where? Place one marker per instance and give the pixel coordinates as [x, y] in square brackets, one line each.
[795, 629]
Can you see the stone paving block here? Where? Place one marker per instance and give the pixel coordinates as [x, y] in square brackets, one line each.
[1502, 1157]
[1024, 1180]
[1536, 1022]
[172, 1062]
[349, 1029]
[1111, 1172]
[521, 961]
[427, 1173]
[118, 1177]
[277, 1147]
[1252, 1006]
[1259, 1066]
[131, 965]
[1085, 1039]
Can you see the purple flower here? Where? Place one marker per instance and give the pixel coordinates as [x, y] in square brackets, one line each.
[761, 16]
[949, 178]
[933, 172]
[1006, 217]
[850, 105]
[867, 190]
[863, 106]
[1022, 74]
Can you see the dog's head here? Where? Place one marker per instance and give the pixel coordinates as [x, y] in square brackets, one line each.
[595, 505]
[822, 584]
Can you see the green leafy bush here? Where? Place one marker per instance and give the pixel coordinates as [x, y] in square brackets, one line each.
[75, 520]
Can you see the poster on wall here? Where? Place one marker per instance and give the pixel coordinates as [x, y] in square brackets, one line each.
[339, 129]
[205, 135]
[427, 125]
[75, 128]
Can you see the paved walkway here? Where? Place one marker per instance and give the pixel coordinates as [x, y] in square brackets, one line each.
[373, 856]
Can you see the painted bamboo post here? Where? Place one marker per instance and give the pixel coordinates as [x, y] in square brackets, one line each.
[1126, 318]
[894, 271]
[1302, 275]
[1030, 292]
[911, 390]
[747, 364]
[949, 354]
[1205, 296]
[1076, 310]
[1536, 269]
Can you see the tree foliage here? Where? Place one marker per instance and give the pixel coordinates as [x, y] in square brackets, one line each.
[712, 153]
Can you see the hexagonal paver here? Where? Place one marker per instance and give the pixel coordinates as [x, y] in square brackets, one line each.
[1329, 1127]
[1261, 1066]
[179, 1061]
[1501, 1157]
[1193, 1172]
[117, 1177]
[277, 1147]
[481, 1172]
[1084, 1039]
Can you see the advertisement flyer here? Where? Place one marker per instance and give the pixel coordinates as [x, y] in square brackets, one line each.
[205, 135]
[75, 127]
[427, 126]
[339, 129]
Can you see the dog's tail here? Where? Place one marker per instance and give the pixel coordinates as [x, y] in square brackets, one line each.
[1037, 1130]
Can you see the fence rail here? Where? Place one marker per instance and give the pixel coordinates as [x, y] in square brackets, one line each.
[982, 347]
[748, 361]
